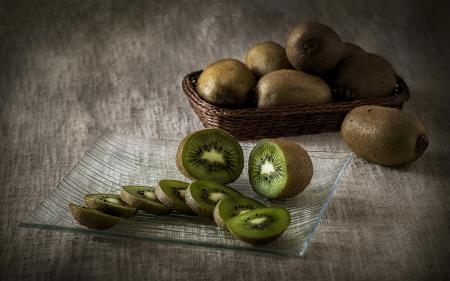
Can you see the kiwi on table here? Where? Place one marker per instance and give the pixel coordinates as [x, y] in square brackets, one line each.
[210, 154]
[288, 87]
[266, 57]
[279, 168]
[143, 198]
[231, 206]
[260, 225]
[364, 75]
[350, 49]
[92, 218]
[203, 195]
[314, 47]
[383, 135]
[226, 83]
[172, 194]
[110, 204]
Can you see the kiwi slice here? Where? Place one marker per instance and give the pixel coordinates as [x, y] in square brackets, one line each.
[261, 225]
[110, 204]
[171, 193]
[210, 154]
[279, 168]
[143, 198]
[203, 195]
[92, 218]
[230, 206]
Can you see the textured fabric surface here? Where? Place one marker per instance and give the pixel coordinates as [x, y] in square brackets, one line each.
[71, 69]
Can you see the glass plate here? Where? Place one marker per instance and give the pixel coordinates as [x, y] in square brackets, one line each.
[115, 161]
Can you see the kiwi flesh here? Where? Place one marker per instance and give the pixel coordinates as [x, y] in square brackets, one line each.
[231, 206]
[92, 218]
[314, 47]
[203, 195]
[266, 57]
[279, 168]
[143, 198]
[172, 193]
[260, 225]
[211, 154]
[110, 204]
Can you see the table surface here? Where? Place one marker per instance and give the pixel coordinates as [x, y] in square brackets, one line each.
[73, 69]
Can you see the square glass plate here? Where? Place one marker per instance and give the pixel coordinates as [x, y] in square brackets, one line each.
[115, 161]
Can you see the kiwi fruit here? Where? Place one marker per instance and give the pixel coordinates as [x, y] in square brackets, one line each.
[314, 47]
[350, 49]
[110, 204]
[143, 198]
[266, 57]
[279, 168]
[260, 225]
[226, 83]
[210, 154]
[171, 193]
[288, 87]
[203, 195]
[383, 135]
[231, 206]
[364, 75]
[92, 218]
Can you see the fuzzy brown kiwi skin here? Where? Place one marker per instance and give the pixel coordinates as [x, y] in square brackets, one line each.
[91, 218]
[385, 136]
[217, 219]
[166, 201]
[196, 208]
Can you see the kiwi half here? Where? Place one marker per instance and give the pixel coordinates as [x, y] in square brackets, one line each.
[279, 168]
[210, 154]
[261, 225]
[171, 193]
[230, 206]
[110, 204]
[91, 218]
[143, 198]
[203, 195]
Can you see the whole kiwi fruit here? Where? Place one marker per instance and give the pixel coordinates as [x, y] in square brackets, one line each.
[383, 135]
[314, 47]
[288, 86]
[350, 49]
[266, 57]
[226, 83]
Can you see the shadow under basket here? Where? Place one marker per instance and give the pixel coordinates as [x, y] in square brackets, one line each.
[292, 120]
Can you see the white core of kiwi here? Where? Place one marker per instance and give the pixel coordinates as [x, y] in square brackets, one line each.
[215, 196]
[112, 200]
[182, 192]
[213, 156]
[267, 168]
[244, 211]
[150, 195]
[259, 220]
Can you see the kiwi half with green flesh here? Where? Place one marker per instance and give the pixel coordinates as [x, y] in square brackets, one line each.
[231, 206]
[203, 195]
[92, 218]
[279, 168]
[261, 225]
[110, 204]
[143, 198]
[210, 154]
[172, 193]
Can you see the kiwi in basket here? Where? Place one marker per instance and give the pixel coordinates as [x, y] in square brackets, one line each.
[288, 87]
[210, 154]
[110, 204]
[92, 218]
[143, 198]
[279, 168]
[231, 206]
[314, 47]
[227, 83]
[266, 57]
[172, 194]
[261, 225]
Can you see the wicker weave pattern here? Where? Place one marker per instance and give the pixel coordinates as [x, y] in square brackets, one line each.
[257, 123]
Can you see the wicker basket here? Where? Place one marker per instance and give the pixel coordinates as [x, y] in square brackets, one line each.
[257, 123]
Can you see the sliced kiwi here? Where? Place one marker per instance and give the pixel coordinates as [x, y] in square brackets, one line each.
[171, 193]
[210, 154]
[261, 225]
[92, 218]
[203, 195]
[110, 204]
[143, 198]
[231, 206]
[279, 168]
